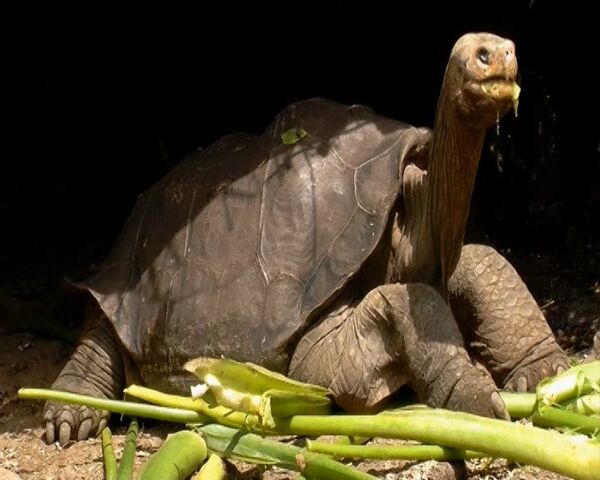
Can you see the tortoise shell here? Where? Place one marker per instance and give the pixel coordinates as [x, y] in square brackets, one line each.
[231, 252]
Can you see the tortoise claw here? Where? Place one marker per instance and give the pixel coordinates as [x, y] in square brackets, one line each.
[72, 423]
[476, 392]
[64, 434]
[85, 429]
[50, 432]
[102, 425]
[499, 407]
[527, 377]
[66, 424]
[560, 369]
[521, 383]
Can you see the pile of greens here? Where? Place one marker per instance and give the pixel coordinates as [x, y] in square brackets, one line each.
[235, 409]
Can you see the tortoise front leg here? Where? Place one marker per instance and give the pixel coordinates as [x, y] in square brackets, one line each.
[397, 335]
[96, 369]
[501, 322]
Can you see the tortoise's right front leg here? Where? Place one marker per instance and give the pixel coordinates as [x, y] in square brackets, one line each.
[96, 369]
[398, 334]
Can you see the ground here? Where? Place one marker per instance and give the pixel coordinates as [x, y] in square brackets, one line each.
[569, 296]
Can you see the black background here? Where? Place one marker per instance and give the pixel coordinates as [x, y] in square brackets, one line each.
[103, 100]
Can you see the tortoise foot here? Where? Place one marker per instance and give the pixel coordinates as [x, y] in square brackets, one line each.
[95, 369]
[475, 392]
[545, 361]
[69, 422]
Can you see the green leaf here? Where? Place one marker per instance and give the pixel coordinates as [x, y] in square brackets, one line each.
[248, 377]
[293, 136]
[226, 442]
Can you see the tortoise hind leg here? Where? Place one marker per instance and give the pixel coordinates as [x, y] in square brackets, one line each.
[397, 335]
[95, 368]
[501, 322]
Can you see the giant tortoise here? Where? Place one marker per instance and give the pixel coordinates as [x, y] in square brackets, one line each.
[329, 248]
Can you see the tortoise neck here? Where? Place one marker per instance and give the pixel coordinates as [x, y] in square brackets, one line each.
[453, 160]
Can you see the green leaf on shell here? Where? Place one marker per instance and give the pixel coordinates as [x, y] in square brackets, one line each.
[293, 136]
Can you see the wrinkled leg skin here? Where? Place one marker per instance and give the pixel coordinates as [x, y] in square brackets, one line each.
[397, 335]
[502, 324]
[95, 368]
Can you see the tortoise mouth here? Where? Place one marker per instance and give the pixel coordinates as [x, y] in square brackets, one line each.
[498, 93]
[500, 89]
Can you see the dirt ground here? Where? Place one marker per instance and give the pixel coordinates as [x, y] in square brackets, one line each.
[570, 300]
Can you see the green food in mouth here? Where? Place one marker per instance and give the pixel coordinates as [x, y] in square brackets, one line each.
[502, 89]
[515, 98]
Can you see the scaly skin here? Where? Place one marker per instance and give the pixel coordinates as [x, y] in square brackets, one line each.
[95, 368]
[501, 322]
[398, 334]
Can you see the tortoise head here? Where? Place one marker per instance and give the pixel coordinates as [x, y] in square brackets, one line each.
[481, 76]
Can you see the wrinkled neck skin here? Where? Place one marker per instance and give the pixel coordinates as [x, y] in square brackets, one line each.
[453, 161]
[430, 226]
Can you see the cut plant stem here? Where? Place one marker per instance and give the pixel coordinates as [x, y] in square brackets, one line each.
[574, 382]
[519, 405]
[388, 452]
[564, 419]
[213, 469]
[132, 409]
[125, 470]
[108, 452]
[181, 454]
[230, 442]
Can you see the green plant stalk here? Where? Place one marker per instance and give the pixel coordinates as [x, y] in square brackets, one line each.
[347, 440]
[181, 454]
[574, 382]
[125, 470]
[573, 414]
[227, 442]
[519, 405]
[213, 469]
[497, 438]
[558, 418]
[131, 409]
[166, 399]
[387, 452]
[108, 452]
[223, 415]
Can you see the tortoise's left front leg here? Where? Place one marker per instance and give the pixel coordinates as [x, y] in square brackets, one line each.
[501, 322]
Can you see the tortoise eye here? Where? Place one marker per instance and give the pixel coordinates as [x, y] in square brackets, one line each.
[483, 54]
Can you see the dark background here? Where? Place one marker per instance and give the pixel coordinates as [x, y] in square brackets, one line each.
[103, 100]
